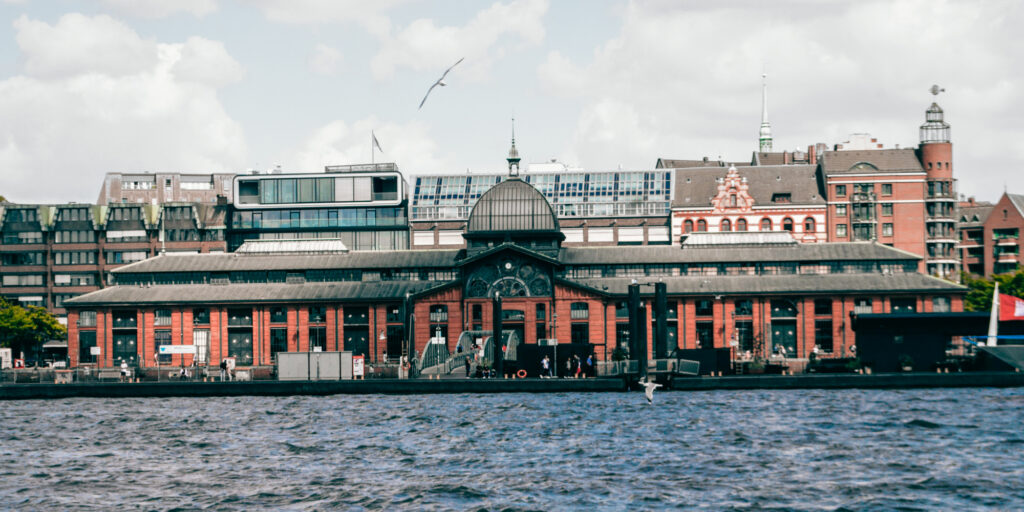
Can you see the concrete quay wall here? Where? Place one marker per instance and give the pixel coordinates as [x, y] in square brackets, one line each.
[425, 386]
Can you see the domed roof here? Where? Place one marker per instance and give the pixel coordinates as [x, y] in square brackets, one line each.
[512, 205]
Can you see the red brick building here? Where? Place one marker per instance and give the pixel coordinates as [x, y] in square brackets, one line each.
[781, 297]
[784, 198]
[52, 253]
[1001, 235]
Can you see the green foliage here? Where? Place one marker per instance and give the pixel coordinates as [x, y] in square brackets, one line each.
[619, 354]
[979, 298]
[26, 328]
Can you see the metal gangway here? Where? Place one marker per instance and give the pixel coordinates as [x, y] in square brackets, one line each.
[438, 360]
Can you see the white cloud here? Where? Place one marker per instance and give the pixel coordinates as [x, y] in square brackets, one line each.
[339, 142]
[325, 60]
[680, 81]
[160, 8]
[66, 122]
[206, 62]
[422, 45]
[79, 44]
[370, 14]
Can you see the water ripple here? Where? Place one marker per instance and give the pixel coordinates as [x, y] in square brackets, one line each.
[726, 450]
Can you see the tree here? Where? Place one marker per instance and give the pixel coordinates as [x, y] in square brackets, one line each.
[24, 329]
[979, 298]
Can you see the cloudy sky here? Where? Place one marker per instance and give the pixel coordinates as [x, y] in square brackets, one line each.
[91, 86]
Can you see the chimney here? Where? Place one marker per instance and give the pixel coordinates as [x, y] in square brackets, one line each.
[970, 200]
[787, 158]
[812, 155]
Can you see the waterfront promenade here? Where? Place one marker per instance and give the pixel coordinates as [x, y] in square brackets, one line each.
[427, 386]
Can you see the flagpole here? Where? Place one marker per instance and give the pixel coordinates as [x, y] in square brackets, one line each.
[372, 161]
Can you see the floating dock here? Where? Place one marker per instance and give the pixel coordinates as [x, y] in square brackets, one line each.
[448, 386]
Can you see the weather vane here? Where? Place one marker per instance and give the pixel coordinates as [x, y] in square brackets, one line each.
[935, 90]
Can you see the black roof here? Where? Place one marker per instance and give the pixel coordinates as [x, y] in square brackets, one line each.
[797, 284]
[665, 254]
[253, 293]
[697, 186]
[231, 262]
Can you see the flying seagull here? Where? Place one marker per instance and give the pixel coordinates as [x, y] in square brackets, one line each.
[440, 81]
[649, 388]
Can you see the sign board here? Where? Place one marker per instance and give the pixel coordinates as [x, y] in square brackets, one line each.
[177, 349]
[94, 351]
[6, 358]
[550, 342]
[357, 366]
[438, 340]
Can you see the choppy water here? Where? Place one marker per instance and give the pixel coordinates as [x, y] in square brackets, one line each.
[916, 449]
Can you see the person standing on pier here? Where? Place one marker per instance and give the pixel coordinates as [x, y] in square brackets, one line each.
[466, 360]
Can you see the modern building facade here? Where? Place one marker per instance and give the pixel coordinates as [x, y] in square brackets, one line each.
[594, 208]
[762, 296]
[362, 205]
[51, 253]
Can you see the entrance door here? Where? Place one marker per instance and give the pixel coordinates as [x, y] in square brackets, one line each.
[784, 337]
[357, 340]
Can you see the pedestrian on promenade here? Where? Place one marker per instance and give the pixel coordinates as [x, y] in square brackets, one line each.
[577, 366]
[545, 365]
[223, 369]
[466, 360]
[589, 370]
[124, 371]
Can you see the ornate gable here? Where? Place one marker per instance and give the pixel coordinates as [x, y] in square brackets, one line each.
[733, 196]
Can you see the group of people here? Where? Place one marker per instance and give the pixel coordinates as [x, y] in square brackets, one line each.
[575, 368]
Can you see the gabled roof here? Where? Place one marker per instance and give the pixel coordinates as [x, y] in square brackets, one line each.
[799, 284]
[234, 262]
[881, 161]
[253, 293]
[664, 254]
[696, 187]
[974, 216]
[509, 247]
[666, 163]
[1018, 201]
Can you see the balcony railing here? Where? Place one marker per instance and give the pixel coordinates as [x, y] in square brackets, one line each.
[863, 197]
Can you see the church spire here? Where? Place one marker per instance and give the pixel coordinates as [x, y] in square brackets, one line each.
[513, 153]
[766, 128]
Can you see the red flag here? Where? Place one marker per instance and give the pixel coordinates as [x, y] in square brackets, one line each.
[1010, 307]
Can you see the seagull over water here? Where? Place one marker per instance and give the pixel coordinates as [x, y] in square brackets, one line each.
[440, 81]
[649, 388]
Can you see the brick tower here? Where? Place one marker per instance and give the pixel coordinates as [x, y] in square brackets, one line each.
[936, 155]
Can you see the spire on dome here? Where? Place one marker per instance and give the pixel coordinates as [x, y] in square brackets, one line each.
[765, 139]
[513, 153]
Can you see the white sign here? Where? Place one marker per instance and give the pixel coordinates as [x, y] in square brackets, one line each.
[94, 351]
[177, 349]
[357, 366]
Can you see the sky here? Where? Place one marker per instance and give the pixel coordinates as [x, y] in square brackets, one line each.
[95, 86]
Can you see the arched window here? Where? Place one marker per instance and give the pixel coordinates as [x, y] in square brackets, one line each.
[726, 225]
[766, 224]
[809, 225]
[702, 225]
[787, 224]
[741, 225]
[688, 226]
[732, 200]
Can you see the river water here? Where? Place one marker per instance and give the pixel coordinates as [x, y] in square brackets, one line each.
[728, 450]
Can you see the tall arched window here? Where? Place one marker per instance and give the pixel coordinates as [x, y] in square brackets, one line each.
[726, 225]
[688, 226]
[766, 224]
[809, 225]
[741, 225]
[702, 225]
[787, 224]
